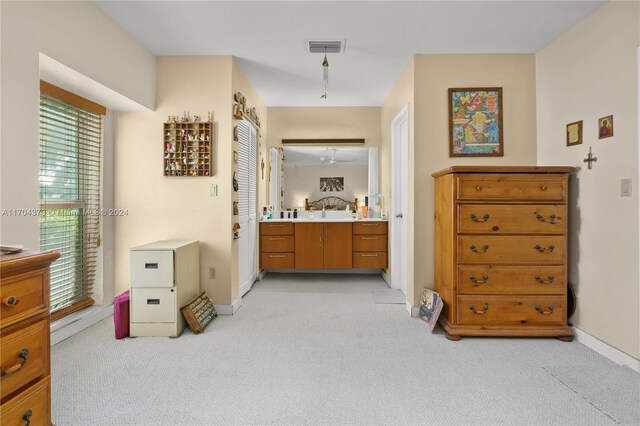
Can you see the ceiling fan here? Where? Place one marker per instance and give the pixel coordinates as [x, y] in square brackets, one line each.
[329, 157]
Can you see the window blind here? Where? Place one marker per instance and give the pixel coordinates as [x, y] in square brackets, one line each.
[70, 181]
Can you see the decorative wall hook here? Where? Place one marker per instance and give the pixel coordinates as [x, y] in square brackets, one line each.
[590, 159]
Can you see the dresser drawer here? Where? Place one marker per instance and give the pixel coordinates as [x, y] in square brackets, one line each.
[369, 243]
[277, 261]
[277, 228]
[369, 228]
[511, 310]
[512, 219]
[26, 353]
[277, 243]
[511, 280]
[31, 406]
[484, 249]
[23, 295]
[369, 260]
[511, 187]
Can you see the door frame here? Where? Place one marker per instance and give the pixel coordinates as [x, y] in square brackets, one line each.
[400, 177]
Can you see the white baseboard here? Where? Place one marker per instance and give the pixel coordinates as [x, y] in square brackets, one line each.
[244, 289]
[228, 309]
[263, 274]
[605, 349]
[71, 324]
[412, 310]
[386, 278]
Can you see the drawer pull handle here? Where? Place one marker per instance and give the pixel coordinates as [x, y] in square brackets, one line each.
[27, 417]
[477, 219]
[476, 281]
[544, 187]
[545, 250]
[369, 238]
[276, 238]
[369, 255]
[23, 356]
[277, 226]
[478, 188]
[278, 255]
[368, 224]
[10, 301]
[543, 312]
[548, 281]
[484, 310]
[476, 250]
[551, 220]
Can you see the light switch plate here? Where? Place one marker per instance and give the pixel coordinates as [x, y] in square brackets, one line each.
[213, 190]
[626, 187]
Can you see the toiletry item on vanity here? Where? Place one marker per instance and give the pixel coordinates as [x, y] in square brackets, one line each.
[365, 211]
[281, 215]
[295, 213]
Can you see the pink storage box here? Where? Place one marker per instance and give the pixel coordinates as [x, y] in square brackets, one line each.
[121, 315]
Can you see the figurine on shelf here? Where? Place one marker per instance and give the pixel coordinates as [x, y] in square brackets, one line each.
[206, 172]
[185, 117]
[182, 132]
[196, 118]
[209, 117]
[202, 136]
[207, 138]
[169, 147]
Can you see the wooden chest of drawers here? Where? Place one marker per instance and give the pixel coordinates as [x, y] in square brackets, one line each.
[25, 391]
[501, 250]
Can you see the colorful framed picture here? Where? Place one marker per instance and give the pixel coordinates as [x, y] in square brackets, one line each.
[475, 122]
[574, 133]
[605, 127]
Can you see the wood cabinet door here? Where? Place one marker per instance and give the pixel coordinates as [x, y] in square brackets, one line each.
[338, 243]
[309, 238]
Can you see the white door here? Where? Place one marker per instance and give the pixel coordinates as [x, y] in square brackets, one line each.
[246, 176]
[399, 197]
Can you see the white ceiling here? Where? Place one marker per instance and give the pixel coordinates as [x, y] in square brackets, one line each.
[267, 37]
[310, 155]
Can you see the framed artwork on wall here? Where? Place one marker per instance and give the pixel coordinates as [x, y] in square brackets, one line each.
[475, 122]
[332, 184]
[574, 133]
[605, 127]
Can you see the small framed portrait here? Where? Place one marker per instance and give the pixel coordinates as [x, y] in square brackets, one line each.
[605, 127]
[574, 133]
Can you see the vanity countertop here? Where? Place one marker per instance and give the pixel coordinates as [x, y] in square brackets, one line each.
[320, 219]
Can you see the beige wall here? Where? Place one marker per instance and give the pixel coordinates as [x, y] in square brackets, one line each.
[81, 37]
[588, 73]
[303, 181]
[324, 123]
[423, 86]
[400, 95]
[162, 208]
[181, 208]
[434, 74]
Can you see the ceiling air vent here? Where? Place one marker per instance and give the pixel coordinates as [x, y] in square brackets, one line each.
[331, 46]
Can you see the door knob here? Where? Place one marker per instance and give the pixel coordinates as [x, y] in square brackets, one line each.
[399, 216]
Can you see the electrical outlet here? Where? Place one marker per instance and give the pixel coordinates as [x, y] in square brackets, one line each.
[212, 273]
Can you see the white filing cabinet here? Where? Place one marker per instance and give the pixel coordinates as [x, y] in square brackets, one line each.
[164, 276]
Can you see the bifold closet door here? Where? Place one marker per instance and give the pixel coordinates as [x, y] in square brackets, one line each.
[246, 176]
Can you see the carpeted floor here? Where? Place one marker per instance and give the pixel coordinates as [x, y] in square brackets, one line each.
[309, 349]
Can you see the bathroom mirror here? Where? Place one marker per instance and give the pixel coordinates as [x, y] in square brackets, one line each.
[314, 173]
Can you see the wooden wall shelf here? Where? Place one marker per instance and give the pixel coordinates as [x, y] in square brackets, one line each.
[187, 148]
